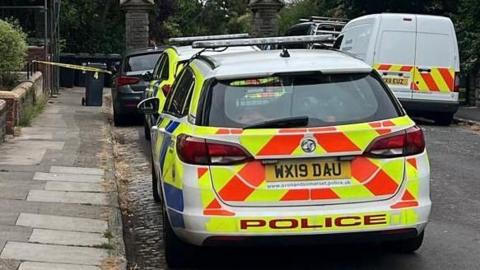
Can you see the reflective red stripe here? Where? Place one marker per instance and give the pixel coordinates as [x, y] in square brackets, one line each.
[235, 190]
[201, 172]
[336, 142]
[323, 194]
[281, 145]
[404, 204]
[406, 68]
[384, 67]
[432, 86]
[253, 173]
[413, 162]
[296, 195]
[382, 184]
[363, 169]
[447, 77]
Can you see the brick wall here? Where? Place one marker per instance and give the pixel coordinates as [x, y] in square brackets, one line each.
[38, 53]
[24, 95]
[3, 120]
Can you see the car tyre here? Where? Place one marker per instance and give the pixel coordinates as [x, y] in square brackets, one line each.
[118, 120]
[155, 186]
[178, 254]
[146, 130]
[444, 119]
[409, 245]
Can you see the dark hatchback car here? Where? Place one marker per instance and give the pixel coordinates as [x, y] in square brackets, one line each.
[129, 84]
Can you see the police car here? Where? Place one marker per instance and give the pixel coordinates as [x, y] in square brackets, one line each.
[171, 63]
[285, 144]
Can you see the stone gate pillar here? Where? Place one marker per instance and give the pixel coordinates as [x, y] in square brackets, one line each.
[136, 22]
[265, 16]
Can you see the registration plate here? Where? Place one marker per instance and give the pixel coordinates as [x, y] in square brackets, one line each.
[396, 81]
[305, 170]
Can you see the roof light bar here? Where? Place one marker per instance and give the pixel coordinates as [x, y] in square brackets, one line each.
[261, 41]
[213, 37]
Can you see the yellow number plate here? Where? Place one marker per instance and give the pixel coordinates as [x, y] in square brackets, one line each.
[308, 170]
[396, 81]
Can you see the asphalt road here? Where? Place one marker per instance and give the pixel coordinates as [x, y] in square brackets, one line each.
[452, 239]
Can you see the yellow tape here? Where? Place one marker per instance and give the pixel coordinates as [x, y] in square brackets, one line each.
[77, 67]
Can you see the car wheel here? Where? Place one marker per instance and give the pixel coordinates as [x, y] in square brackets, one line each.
[444, 119]
[118, 120]
[407, 245]
[178, 254]
[147, 130]
[155, 186]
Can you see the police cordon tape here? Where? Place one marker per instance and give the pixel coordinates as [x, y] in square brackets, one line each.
[77, 67]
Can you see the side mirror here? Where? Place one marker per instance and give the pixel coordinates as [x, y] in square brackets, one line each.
[148, 76]
[149, 106]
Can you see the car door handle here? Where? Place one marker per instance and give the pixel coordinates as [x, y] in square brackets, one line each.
[424, 70]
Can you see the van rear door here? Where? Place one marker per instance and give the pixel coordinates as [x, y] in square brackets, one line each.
[395, 52]
[436, 59]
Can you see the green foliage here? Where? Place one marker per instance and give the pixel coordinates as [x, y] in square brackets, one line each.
[199, 17]
[13, 47]
[468, 29]
[92, 26]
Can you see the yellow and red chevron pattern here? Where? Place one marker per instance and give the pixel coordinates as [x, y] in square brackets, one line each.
[439, 79]
[246, 183]
[411, 192]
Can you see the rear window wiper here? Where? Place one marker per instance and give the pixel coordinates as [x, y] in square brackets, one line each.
[288, 122]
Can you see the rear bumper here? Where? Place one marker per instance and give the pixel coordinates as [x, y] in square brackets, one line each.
[412, 105]
[304, 225]
[126, 103]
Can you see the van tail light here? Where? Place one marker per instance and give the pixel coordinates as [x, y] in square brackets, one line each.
[166, 89]
[404, 143]
[125, 80]
[206, 152]
[456, 86]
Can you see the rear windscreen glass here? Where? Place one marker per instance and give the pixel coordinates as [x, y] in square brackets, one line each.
[325, 99]
[141, 62]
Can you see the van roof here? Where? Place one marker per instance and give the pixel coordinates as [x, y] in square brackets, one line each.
[266, 63]
[397, 15]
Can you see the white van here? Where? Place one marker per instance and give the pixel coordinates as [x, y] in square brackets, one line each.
[416, 55]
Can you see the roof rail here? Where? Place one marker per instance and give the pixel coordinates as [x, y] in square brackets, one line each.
[262, 41]
[319, 19]
[212, 37]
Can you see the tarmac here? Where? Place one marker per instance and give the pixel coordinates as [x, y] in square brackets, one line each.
[468, 114]
[58, 200]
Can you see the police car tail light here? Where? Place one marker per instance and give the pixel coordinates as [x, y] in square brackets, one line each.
[166, 89]
[404, 143]
[206, 152]
[124, 80]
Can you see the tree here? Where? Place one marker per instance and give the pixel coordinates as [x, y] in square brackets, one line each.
[92, 26]
[13, 47]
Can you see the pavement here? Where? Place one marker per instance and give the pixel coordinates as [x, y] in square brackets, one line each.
[58, 201]
[468, 114]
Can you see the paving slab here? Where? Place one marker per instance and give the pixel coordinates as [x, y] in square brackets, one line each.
[53, 253]
[62, 223]
[67, 197]
[76, 170]
[67, 238]
[7, 218]
[13, 193]
[73, 186]
[47, 208]
[14, 233]
[26, 152]
[55, 266]
[66, 177]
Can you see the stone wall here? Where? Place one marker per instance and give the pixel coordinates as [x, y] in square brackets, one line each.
[3, 120]
[38, 53]
[23, 96]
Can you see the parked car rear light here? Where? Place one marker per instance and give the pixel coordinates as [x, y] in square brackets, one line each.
[404, 143]
[456, 87]
[125, 80]
[206, 152]
[166, 89]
